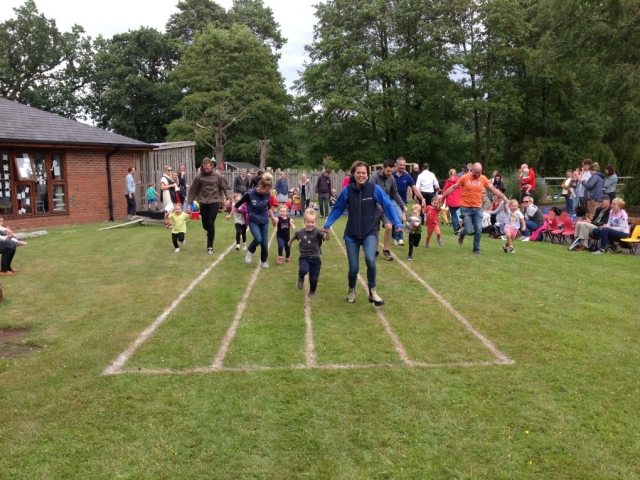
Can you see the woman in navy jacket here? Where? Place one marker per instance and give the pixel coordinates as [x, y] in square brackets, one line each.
[361, 199]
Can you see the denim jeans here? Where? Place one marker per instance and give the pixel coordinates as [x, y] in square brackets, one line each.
[472, 221]
[369, 245]
[260, 237]
[394, 234]
[531, 227]
[607, 234]
[455, 220]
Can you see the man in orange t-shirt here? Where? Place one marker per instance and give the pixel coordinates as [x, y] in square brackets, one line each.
[472, 184]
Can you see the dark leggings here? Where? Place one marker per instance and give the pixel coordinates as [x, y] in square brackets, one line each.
[283, 244]
[177, 237]
[310, 265]
[241, 233]
[414, 241]
[208, 213]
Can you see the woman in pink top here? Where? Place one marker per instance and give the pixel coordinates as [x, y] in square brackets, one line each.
[453, 200]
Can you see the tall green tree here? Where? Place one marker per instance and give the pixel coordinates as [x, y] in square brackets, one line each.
[193, 17]
[235, 95]
[130, 91]
[260, 21]
[41, 66]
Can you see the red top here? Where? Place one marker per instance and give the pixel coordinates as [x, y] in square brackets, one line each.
[530, 180]
[453, 199]
[432, 216]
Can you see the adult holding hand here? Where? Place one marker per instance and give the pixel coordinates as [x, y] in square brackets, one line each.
[472, 184]
[361, 199]
[208, 189]
[259, 212]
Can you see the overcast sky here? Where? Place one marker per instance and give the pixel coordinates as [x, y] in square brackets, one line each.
[107, 18]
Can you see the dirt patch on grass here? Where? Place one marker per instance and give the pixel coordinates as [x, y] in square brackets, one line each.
[11, 348]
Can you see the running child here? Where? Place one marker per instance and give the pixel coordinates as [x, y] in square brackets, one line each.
[310, 238]
[177, 222]
[332, 198]
[240, 220]
[432, 212]
[285, 224]
[512, 225]
[413, 227]
[152, 196]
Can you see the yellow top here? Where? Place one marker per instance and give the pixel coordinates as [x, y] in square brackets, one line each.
[178, 222]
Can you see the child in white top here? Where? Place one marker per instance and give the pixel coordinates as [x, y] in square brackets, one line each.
[240, 220]
[177, 222]
[515, 222]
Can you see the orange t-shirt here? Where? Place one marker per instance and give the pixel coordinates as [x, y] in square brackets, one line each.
[472, 190]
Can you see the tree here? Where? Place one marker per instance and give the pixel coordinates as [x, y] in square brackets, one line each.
[39, 65]
[232, 87]
[130, 91]
[260, 21]
[194, 17]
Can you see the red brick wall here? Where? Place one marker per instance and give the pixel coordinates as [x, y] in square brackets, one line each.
[87, 196]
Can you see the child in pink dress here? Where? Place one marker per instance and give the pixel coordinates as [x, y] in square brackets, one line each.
[432, 213]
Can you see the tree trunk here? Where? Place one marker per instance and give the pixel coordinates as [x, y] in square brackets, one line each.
[219, 144]
[264, 148]
[487, 155]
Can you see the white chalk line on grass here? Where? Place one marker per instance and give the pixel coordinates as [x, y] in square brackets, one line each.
[322, 366]
[310, 348]
[402, 352]
[501, 357]
[117, 365]
[231, 332]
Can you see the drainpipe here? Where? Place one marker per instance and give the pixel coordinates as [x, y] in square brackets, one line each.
[109, 186]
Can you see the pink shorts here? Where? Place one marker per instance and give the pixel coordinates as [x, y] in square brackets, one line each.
[510, 231]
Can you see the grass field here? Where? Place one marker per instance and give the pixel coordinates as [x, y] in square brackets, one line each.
[491, 366]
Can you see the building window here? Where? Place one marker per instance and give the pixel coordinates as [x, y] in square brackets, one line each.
[32, 183]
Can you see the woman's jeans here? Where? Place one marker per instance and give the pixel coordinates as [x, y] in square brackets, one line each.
[260, 237]
[472, 221]
[369, 245]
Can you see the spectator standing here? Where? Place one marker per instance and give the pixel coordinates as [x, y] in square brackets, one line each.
[241, 184]
[472, 185]
[130, 192]
[427, 184]
[527, 181]
[567, 191]
[304, 191]
[584, 173]
[415, 172]
[361, 199]
[209, 188]
[182, 181]
[323, 192]
[610, 181]
[282, 189]
[594, 188]
[256, 178]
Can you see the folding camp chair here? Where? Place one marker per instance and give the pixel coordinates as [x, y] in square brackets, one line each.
[632, 242]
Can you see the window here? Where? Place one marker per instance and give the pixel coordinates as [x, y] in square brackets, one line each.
[32, 183]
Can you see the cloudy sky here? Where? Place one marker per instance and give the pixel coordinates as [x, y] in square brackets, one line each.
[116, 16]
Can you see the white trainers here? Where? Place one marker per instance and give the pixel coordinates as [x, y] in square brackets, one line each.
[265, 265]
[177, 250]
[401, 242]
[395, 242]
[244, 246]
[238, 246]
[525, 239]
[248, 258]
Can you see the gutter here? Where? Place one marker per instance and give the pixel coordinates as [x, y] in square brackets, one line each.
[109, 186]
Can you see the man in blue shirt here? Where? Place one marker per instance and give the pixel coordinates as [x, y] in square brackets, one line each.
[130, 192]
[404, 181]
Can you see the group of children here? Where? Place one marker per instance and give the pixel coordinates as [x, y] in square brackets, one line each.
[310, 238]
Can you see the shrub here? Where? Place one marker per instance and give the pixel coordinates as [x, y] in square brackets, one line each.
[631, 191]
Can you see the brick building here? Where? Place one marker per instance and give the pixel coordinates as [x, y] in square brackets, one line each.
[57, 171]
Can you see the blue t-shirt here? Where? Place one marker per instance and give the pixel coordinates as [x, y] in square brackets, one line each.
[403, 182]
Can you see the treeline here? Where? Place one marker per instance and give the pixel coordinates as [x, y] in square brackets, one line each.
[503, 82]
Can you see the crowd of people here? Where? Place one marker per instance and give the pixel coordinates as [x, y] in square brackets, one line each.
[469, 202]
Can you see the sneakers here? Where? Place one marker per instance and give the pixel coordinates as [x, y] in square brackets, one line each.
[377, 253]
[576, 243]
[503, 237]
[210, 250]
[238, 246]
[311, 295]
[248, 258]
[395, 242]
[525, 239]
[598, 252]
[375, 298]
[177, 250]
[244, 246]
[476, 252]
[279, 261]
[401, 243]
[288, 260]
[351, 296]
[300, 282]
[512, 250]
[460, 239]
[265, 265]
[410, 259]
[505, 249]
[440, 243]
[387, 255]
[426, 245]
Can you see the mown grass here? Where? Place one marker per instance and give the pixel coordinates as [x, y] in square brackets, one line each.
[567, 408]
